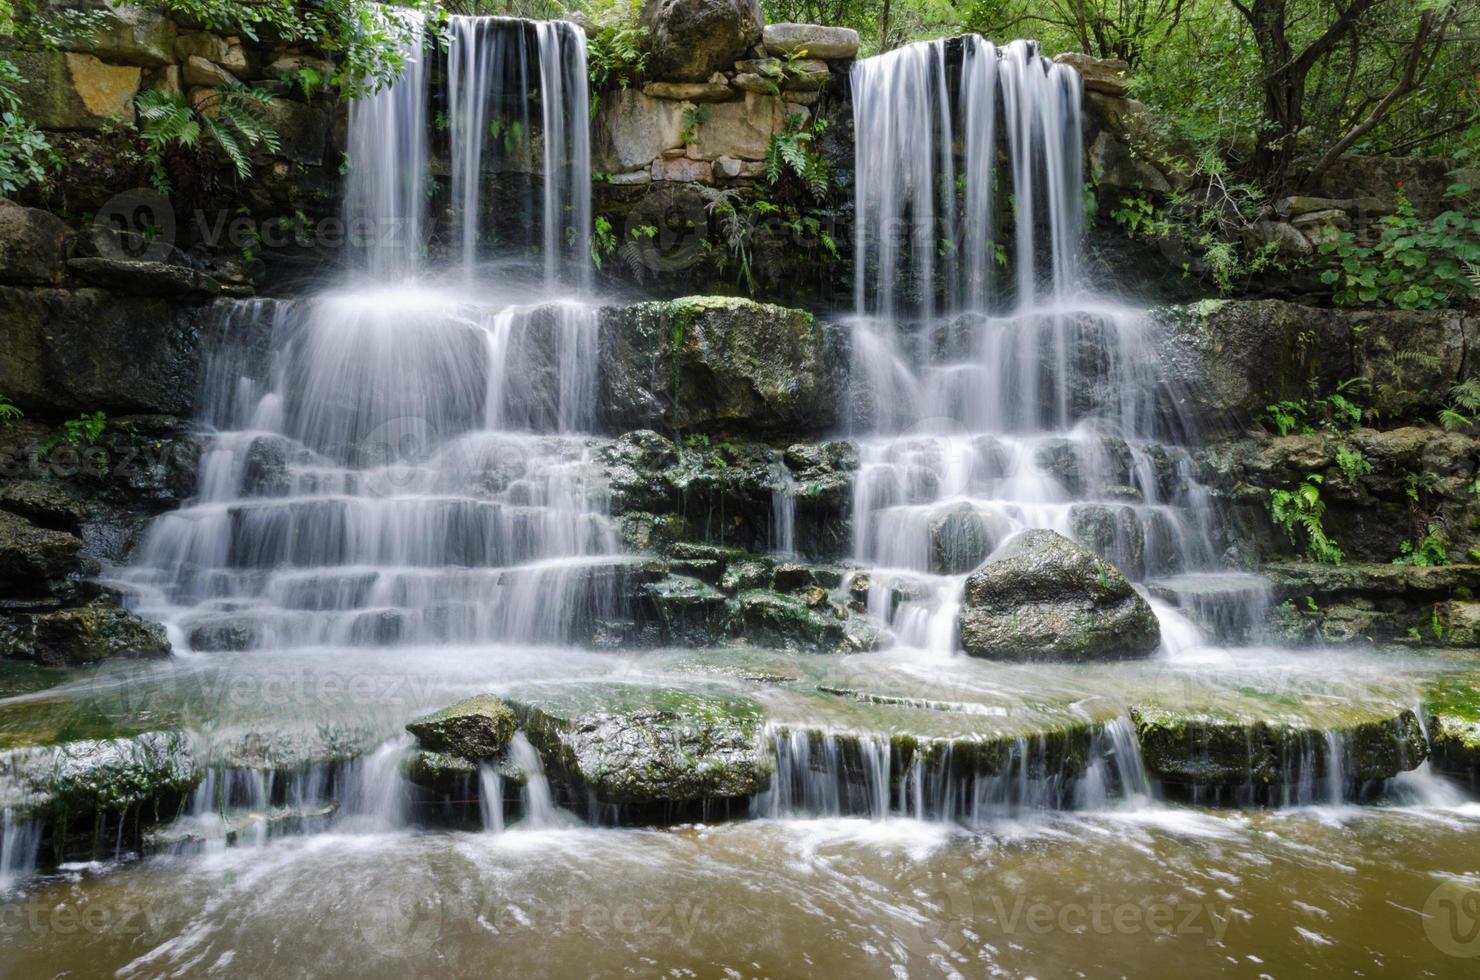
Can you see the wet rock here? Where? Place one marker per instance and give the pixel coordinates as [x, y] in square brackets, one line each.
[1452, 711]
[100, 630]
[32, 245]
[769, 619]
[714, 364]
[477, 728]
[1196, 748]
[63, 352]
[144, 278]
[961, 538]
[34, 560]
[685, 609]
[813, 40]
[649, 747]
[1043, 597]
[114, 774]
[688, 40]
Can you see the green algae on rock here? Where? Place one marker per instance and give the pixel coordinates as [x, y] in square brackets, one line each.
[477, 728]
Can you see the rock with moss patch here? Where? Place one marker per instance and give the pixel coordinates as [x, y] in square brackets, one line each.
[85, 634]
[477, 728]
[34, 561]
[1201, 748]
[715, 364]
[1043, 597]
[649, 747]
[113, 774]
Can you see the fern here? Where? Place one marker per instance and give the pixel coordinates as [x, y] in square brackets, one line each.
[791, 151]
[1300, 511]
[234, 117]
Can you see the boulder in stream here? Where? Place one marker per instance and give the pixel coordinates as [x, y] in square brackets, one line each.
[1043, 597]
[649, 747]
[476, 728]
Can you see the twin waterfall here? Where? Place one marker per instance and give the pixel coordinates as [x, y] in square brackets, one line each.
[407, 461]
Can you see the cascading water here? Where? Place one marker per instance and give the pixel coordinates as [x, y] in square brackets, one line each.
[397, 462]
[996, 391]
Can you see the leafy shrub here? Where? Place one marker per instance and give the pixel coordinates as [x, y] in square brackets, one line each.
[615, 56]
[1415, 264]
[26, 157]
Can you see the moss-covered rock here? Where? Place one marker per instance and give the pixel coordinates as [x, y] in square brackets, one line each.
[1195, 747]
[717, 365]
[769, 619]
[477, 728]
[34, 561]
[648, 746]
[1043, 597]
[84, 634]
[114, 774]
[1452, 711]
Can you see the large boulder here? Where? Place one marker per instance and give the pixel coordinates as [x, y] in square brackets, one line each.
[632, 129]
[476, 728]
[68, 90]
[813, 40]
[650, 748]
[1043, 597]
[1107, 75]
[32, 245]
[688, 40]
[715, 364]
[127, 34]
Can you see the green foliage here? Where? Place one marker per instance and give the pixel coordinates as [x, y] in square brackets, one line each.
[603, 240]
[1336, 412]
[9, 412]
[1416, 263]
[1463, 409]
[26, 158]
[1432, 548]
[1300, 511]
[792, 151]
[1210, 220]
[615, 57]
[1352, 463]
[234, 118]
[85, 429]
[693, 118]
[370, 42]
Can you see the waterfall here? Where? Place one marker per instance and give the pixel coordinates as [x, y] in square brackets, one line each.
[993, 390]
[495, 128]
[396, 462]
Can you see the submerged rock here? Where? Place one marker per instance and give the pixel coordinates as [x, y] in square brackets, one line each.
[644, 747]
[477, 728]
[1043, 597]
